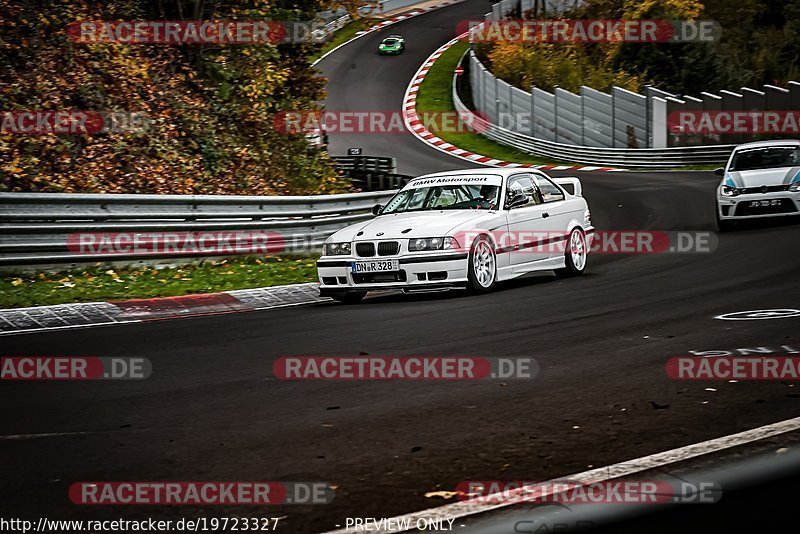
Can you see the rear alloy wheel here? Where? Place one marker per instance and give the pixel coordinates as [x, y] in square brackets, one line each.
[482, 266]
[353, 297]
[575, 255]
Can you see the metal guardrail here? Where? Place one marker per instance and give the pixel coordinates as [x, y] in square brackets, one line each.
[631, 157]
[372, 173]
[379, 182]
[335, 25]
[39, 229]
[604, 129]
[375, 164]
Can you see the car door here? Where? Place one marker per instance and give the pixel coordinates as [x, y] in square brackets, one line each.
[559, 210]
[527, 223]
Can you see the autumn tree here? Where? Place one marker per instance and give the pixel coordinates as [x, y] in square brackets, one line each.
[209, 109]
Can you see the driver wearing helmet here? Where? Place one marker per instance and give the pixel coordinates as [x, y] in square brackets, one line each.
[487, 198]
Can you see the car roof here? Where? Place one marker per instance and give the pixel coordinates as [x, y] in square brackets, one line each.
[764, 144]
[395, 37]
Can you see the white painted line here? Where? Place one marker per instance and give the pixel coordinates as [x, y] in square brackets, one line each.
[466, 508]
[48, 435]
[290, 304]
[759, 315]
[66, 327]
[359, 35]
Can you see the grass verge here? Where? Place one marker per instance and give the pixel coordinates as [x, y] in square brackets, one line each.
[345, 33]
[23, 289]
[435, 96]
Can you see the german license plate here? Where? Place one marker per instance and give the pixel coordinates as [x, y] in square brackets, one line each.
[765, 203]
[375, 266]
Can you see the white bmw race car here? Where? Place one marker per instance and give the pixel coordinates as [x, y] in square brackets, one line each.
[760, 180]
[469, 228]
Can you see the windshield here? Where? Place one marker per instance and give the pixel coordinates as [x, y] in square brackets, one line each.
[766, 158]
[390, 42]
[470, 193]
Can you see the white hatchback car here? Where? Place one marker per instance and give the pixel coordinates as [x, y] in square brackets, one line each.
[469, 228]
[761, 179]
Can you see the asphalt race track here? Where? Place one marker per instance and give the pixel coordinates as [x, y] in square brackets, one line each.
[211, 411]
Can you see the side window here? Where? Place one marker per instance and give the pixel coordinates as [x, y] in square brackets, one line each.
[522, 183]
[550, 191]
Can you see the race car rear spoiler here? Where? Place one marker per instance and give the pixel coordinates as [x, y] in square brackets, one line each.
[571, 183]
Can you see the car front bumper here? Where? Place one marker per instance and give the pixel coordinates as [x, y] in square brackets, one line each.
[428, 271]
[742, 207]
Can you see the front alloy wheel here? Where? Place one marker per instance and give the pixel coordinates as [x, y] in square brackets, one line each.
[482, 273]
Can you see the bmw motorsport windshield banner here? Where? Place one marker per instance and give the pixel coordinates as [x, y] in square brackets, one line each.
[455, 180]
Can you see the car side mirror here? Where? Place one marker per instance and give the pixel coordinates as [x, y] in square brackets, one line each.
[719, 172]
[376, 209]
[517, 200]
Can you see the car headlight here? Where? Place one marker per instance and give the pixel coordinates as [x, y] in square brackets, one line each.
[432, 243]
[337, 249]
[728, 191]
[794, 186]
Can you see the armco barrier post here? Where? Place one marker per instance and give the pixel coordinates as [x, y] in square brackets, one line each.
[711, 103]
[776, 98]
[555, 113]
[794, 95]
[753, 100]
[613, 119]
[732, 102]
[658, 119]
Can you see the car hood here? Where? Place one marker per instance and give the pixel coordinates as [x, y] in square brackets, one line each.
[413, 225]
[390, 46]
[759, 177]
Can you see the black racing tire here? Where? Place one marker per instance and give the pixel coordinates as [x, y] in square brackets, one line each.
[725, 225]
[574, 266]
[483, 256]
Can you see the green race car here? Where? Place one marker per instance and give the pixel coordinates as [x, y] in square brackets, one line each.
[394, 44]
